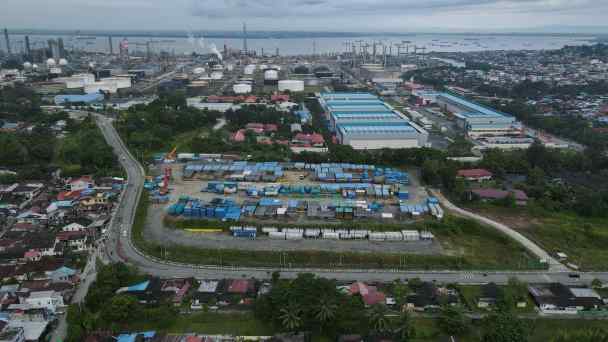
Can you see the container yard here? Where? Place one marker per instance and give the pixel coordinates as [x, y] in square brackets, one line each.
[212, 188]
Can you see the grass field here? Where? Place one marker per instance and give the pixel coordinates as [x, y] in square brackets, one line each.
[584, 240]
[245, 324]
[470, 294]
[213, 324]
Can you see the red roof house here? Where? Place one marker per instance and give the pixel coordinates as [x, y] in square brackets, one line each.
[279, 98]
[241, 286]
[309, 139]
[238, 136]
[369, 294]
[475, 174]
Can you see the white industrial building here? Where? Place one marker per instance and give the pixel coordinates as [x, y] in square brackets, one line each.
[242, 88]
[291, 85]
[110, 85]
[364, 122]
[78, 80]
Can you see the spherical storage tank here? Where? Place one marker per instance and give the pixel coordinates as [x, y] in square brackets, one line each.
[63, 62]
[291, 85]
[198, 71]
[271, 77]
[27, 65]
[50, 62]
[242, 88]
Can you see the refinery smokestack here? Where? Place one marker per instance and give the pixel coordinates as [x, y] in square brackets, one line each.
[245, 38]
[8, 42]
[28, 49]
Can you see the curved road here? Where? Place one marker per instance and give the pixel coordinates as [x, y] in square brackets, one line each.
[554, 265]
[120, 248]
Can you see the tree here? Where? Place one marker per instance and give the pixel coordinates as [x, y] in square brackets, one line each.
[405, 330]
[378, 320]
[596, 283]
[121, 309]
[592, 335]
[505, 327]
[325, 312]
[452, 320]
[291, 317]
[514, 292]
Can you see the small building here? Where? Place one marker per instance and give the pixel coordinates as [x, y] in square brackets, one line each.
[50, 300]
[557, 298]
[147, 292]
[490, 194]
[475, 175]
[369, 294]
[429, 296]
[490, 293]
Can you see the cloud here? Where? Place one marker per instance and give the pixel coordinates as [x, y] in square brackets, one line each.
[325, 8]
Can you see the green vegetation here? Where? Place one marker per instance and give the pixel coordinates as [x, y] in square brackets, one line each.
[34, 153]
[157, 126]
[582, 239]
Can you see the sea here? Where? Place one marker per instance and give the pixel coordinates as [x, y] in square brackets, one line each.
[317, 45]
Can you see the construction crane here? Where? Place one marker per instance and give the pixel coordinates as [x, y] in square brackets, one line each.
[171, 155]
[164, 189]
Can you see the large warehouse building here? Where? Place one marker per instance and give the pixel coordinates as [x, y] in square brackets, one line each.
[363, 121]
[478, 120]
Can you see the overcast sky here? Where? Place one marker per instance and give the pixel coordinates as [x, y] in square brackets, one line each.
[314, 15]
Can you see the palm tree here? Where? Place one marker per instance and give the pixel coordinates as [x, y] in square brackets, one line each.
[377, 319]
[325, 311]
[291, 317]
[405, 330]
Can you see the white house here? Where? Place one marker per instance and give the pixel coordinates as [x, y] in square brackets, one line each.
[49, 300]
[82, 183]
[73, 227]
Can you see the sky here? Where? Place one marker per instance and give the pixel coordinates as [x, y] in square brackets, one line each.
[304, 15]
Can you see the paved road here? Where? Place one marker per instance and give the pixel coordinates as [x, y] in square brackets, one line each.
[89, 274]
[554, 265]
[120, 248]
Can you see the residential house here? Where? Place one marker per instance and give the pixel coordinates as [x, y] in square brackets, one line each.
[314, 140]
[245, 289]
[369, 294]
[80, 184]
[207, 291]
[76, 240]
[475, 175]
[96, 202]
[73, 227]
[50, 300]
[428, 296]
[147, 292]
[63, 275]
[490, 293]
[32, 255]
[557, 298]
[29, 190]
[176, 288]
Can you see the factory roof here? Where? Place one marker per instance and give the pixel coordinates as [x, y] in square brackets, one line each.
[347, 95]
[474, 109]
[376, 128]
[86, 98]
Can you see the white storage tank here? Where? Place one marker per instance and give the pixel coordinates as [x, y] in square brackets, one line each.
[271, 77]
[249, 69]
[293, 236]
[217, 75]
[291, 85]
[63, 62]
[27, 65]
[198, 71]
[242, 88]
[331, 236]
[276, 235]
[50, 63]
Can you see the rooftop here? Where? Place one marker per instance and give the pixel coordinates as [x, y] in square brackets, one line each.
[375, 128]
[474, 108]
